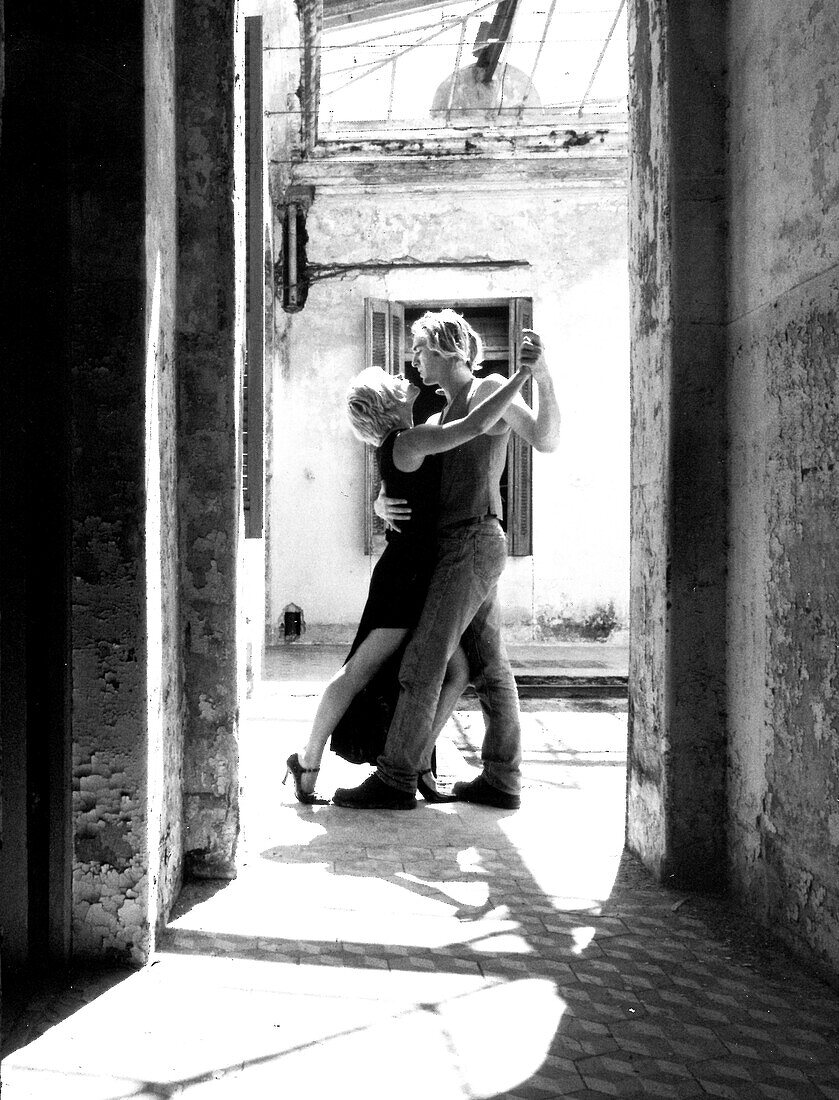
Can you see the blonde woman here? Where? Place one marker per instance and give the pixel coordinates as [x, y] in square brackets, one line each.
[380, 409]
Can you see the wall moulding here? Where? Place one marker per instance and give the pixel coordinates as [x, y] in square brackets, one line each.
[456, 173]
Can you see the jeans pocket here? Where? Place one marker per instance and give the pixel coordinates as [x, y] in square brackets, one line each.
[490, 550]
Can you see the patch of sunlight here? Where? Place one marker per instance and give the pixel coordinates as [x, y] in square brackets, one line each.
[500, 1036]
[472, 1045]
[340, 909]
[299, 830]
[579, 855]
[73, 1084]
[582, 938]
[247, 1030]
[469, 859]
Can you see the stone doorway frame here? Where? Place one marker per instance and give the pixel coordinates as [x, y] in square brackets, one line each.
[676, 771]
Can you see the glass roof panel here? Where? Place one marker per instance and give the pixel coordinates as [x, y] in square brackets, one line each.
[416, 69]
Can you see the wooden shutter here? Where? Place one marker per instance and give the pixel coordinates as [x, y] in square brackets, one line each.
[519, 453]
[378, 331]
[397, 337]
[252, 384]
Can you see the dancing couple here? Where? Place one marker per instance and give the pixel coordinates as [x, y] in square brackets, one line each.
[432, 621]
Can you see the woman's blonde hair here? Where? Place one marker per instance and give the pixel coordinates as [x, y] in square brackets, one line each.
[451, 336]
[374, 404]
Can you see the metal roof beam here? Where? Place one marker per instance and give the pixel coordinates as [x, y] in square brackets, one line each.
[492, 38]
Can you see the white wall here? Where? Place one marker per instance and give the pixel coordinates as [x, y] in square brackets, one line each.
[571, 241]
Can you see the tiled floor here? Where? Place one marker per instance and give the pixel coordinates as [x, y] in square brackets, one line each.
[452, 952]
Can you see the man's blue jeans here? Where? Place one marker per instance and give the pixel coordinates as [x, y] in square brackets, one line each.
[462, 599]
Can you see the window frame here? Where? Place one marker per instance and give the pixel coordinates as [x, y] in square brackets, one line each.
[390, 353]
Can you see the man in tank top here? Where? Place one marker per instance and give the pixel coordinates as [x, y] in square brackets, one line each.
[463, 593]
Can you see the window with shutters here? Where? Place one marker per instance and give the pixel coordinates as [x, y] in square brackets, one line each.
[499, 323]
[385, 338]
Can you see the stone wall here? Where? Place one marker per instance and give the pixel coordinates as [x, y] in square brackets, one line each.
[650, 261]
[165, 672]
[783, 607]
[107, 353]
[210, 339]
[94, 604]
[88, 483]
[677, 265]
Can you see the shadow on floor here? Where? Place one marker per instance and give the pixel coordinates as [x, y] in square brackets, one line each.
[516, 955]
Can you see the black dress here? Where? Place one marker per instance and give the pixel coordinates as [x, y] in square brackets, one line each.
[398, 587]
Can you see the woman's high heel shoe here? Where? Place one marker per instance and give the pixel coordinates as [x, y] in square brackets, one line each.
[429, 793]
[296, 770]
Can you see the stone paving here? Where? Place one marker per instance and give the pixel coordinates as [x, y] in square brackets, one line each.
[454, 951]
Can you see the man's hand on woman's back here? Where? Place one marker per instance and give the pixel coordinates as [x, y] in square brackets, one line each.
[393, 510]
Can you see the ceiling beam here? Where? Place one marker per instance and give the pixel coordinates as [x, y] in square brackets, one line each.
[492, 38]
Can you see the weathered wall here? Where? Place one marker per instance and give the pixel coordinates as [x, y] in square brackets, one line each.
[651, 317]
[282, 88]
[677, 264]
[88, 245]
[108, 340]
[783, 614]
[569, 238]
[209, 350]
[164, 687]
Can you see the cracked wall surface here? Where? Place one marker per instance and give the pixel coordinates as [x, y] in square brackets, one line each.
[783, 610]
[209, 355]
[676, 778]
[165, 673]
[110, 872]
[126, 666]
[650, 247]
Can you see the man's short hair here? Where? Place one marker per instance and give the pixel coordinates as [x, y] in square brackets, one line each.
[451, 336]
[374, 405]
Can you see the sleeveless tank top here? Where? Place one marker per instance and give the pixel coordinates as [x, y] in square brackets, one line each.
[421, 488]
[471, 473]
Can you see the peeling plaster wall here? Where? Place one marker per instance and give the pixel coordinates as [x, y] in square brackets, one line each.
[108, 339]
[127, 700]
[650, 247]
[91, 257]
[282, 88]
[570, 239]
[783, 613]
[210, 341]
[676, 774]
